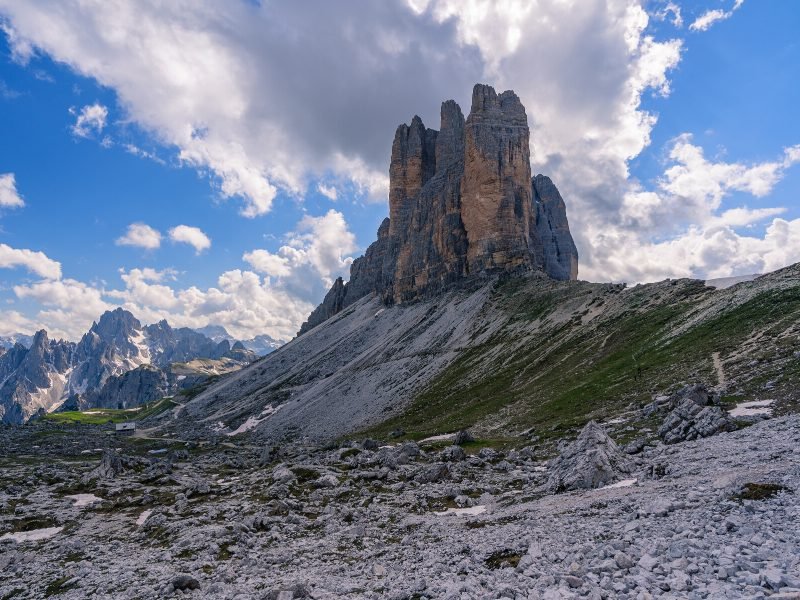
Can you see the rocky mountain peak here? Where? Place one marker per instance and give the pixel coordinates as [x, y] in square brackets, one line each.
[115, 325]
[462, 204]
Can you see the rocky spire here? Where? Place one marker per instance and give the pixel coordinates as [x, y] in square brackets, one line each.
[462, 203]
[496, 190]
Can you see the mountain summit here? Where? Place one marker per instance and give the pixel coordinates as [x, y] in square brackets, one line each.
[462, 203]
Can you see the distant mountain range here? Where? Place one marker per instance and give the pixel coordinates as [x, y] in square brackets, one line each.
[8, 341]
[260, 344]
[118, 363]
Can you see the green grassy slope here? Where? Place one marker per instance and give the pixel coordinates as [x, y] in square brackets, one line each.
[568, 352]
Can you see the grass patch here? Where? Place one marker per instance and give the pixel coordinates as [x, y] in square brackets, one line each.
[554, 372]
[759, 491]
[503, 559]
[101, 416]
[58, 586]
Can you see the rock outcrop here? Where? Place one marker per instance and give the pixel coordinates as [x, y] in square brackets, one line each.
[591, 461]
[462, 204]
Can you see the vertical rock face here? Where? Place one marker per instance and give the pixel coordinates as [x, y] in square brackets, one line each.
[560, 256]
[496, 187]
[462, 204]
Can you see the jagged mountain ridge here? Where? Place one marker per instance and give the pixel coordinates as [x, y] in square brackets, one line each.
[462, 205]
[9, 341]
[515, 352]
[117, 363]
[261, 344]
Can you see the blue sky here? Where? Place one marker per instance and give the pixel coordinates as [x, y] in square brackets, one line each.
[674, 141]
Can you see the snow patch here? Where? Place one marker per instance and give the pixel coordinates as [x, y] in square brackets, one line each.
[84, 499]
[143, 517]
[464, 512]
[253, 422]
[439, 438]
[619, 484]
[754, 408]
[31, 536]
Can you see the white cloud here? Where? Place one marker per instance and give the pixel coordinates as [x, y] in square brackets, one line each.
[670, 8]
[9, 197]
[704, 183]
[708, 18]
[315, 253]
[140, 235]
[687, 211]
[219, 81]
[12, 321]
[193, 236]
[328, 191]
[263, 261]
[91, 119]
[716, 251]
[275, 300]
[70, 306]
[36, 262]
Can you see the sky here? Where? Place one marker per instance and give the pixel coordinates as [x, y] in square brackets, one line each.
[223, 162]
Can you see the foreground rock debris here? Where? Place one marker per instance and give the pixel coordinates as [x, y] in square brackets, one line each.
[714, 517]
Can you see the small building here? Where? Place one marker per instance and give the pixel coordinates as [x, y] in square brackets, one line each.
[127, 428]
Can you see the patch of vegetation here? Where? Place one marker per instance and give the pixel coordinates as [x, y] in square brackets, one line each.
[759, 491]
[553, 375]
[13, 593]
[224, 553]
[32, 524]
[305, 474]
[102, 416]
[58, 586]
[196, 390]
[503, 559]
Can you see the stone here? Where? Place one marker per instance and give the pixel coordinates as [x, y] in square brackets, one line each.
[623, 560]
[452, 454]
[635, 446]
[690, 421]
[463, 437]
[591, 461]
[433, 473]
[185, 582]
[462, 205]
[110, 466]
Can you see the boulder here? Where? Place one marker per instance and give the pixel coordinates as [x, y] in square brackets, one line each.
[690, 421]
[591, 461]
[433, 473]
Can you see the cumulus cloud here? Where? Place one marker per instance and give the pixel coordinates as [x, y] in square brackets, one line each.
[708, 18]
[274, 297]
[140, 235]
[35, 262]
[688, 208]
[329, 191]
[672, 12]
[12, 322]
[70, 306]
[219, 81]
[91, 119]
[9, 197]
[193, 236]
[315, 253]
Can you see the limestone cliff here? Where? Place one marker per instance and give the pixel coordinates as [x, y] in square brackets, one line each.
[462, 204]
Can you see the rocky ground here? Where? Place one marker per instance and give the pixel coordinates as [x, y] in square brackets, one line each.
[84, 514]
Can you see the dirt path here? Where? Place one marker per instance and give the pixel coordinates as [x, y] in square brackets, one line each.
[718, 367]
